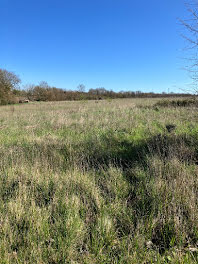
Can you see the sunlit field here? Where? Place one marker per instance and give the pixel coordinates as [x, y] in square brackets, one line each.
[109, 181]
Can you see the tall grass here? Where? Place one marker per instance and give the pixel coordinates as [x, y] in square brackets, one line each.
[105, 182]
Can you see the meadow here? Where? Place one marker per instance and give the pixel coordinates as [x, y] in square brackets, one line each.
[109, 181]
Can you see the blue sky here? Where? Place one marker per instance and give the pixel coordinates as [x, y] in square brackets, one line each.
[116, 44]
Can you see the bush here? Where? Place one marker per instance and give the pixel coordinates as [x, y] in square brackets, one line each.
[193, 102]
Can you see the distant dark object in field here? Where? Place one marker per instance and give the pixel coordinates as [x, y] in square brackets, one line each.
[100, 98]
[156, 109]
[23, 101]
[170, 127]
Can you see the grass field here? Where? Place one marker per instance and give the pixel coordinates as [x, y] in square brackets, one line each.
[98, 182]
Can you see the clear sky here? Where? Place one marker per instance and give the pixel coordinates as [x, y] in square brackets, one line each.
[116, 44]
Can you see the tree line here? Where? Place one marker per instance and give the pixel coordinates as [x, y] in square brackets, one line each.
[10, 92]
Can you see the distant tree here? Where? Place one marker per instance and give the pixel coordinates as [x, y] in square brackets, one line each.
[44, 85]
[81, 88]
[41, 91]
[9, 83]
[138, 93]
[28, 90]
[92, 91]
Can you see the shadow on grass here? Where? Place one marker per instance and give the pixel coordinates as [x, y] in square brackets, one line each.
[125, 154]
[142, 202]
[99, 155]
[108, 150]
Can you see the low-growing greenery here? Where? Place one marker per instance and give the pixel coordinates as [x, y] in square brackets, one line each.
[187, 102]
[106, 182]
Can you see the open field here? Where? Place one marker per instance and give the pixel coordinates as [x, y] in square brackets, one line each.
[98, 182]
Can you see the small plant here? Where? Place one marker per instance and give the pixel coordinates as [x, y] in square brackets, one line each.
[12, 109]
[163, 235]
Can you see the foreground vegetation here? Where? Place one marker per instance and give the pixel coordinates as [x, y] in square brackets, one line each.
[99, 182]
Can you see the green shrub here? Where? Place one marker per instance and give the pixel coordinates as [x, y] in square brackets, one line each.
[177, 103]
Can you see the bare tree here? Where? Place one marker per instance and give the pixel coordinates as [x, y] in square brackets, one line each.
[191, 36]
[81, 88]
